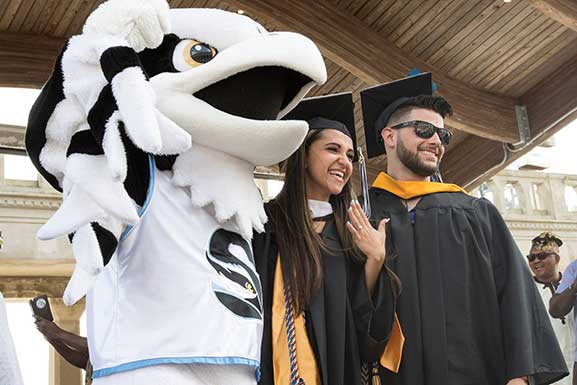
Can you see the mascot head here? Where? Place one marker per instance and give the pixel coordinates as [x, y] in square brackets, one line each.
[203, 85]
[226, 80]
[219, 76]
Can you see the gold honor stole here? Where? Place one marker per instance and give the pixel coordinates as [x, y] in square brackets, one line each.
[391, 358]
[411, 189]
[305, 356]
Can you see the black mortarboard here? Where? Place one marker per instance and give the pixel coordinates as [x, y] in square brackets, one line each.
[380, 102]
[330, 111]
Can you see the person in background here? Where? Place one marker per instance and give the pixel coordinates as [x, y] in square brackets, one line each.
[9, 369]
[544, 260]
[562, 303]
[73, 348]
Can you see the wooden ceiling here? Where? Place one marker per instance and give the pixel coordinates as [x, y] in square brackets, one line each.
[486, 56]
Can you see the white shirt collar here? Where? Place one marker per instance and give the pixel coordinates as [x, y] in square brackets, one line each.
[319, 208]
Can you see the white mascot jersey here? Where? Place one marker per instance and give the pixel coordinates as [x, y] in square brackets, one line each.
[151, 126]
[181, 289]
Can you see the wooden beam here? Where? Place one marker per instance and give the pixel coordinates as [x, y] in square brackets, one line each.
[474, 181]
[26, 60]
[367, 54]
[551, 105]
[562, 11]
[471, 158]
[483, 157]
[552, 99]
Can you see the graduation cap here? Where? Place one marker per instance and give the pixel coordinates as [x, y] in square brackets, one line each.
[328, 112]
[380, 102]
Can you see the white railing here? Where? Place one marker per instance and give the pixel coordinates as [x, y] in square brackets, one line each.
[532, 202]
[534, 195]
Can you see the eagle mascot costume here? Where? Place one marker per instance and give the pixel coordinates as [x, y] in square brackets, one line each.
[151, 125]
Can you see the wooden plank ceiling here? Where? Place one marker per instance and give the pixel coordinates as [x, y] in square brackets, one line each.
[485, 55]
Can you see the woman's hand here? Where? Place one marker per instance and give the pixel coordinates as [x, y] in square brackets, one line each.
[370, 241]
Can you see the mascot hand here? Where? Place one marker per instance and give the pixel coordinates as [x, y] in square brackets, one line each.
[148, 129]
[126, 102]
[111, 38]
[142, 23]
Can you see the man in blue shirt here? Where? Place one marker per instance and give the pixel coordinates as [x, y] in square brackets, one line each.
[563, 301]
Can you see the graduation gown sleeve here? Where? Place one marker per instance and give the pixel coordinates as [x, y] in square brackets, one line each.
[529, 343]
[373, 314]
[265, 254]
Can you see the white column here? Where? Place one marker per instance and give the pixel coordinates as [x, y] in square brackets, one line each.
[68, 318]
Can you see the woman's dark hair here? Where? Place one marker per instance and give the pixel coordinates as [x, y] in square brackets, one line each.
[299, 244]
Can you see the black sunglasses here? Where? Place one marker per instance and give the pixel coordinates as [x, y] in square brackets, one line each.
[426, 130]
[539, 256]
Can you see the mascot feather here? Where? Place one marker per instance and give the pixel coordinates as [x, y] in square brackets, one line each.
[151, 125]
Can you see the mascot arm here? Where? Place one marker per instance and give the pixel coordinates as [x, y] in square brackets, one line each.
[107, 166]
[95, 209]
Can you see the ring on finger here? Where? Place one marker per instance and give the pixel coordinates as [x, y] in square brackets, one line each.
[360, 228]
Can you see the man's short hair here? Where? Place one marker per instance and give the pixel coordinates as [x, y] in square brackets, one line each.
[435, 103]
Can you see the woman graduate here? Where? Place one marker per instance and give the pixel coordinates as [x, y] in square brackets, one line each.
[329, 303]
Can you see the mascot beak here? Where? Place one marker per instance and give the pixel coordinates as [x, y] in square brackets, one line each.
[231, 103]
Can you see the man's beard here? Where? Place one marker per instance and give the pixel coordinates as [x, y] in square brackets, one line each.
[411, 161]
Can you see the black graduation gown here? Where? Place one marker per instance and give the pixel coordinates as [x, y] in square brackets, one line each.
[344, 325]
[470, 311]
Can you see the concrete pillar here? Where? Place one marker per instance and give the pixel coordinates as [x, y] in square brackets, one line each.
[1, 169]
[497, 185]
[263, 187]
[43, 184]
[68, 318]
[525, 192]
[558, 205]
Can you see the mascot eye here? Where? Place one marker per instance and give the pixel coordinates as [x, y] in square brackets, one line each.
[191, 53]
[201, 53]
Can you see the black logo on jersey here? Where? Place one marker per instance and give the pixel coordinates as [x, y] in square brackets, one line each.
[242, 293]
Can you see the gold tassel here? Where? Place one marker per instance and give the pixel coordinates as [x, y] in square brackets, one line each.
[375, 375]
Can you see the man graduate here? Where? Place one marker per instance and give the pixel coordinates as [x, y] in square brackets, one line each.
[469, 309]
